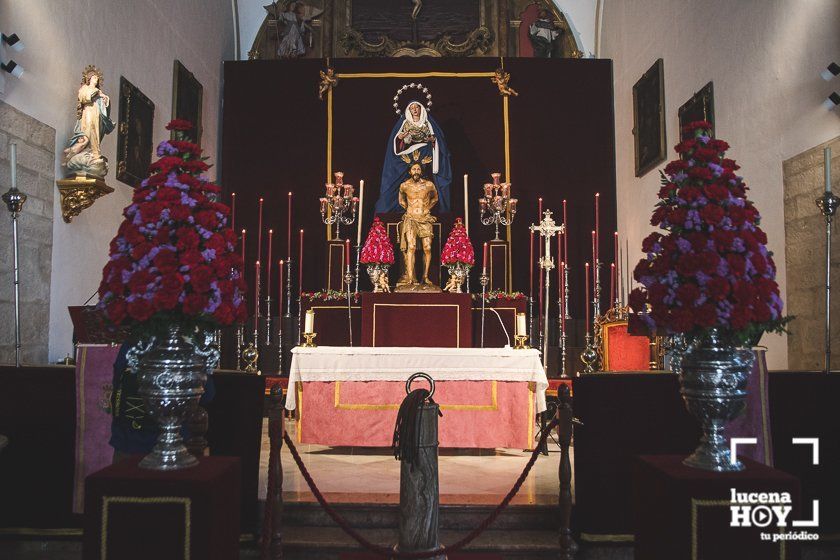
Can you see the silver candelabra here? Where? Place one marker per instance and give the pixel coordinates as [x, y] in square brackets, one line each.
[339, 205]
[14, 200]
[547, 229]
[828, 204]
[496, 206]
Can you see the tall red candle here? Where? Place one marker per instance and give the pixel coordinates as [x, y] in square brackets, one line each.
[347, 253]
[268, 267]
[612, 282]
[259, 230]
[289, 232]
[256, 294]
[586, 301]
[484, 258]
[559, 259]
[531, 269]
[233, 211]
[565, 235]
[243, 248]
[542, 271]
[280, 289]
[594, 255]
[617, 265]
[300, 265]
[563, 301]
[597, 227]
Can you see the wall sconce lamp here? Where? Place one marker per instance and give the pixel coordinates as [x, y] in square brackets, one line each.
[12, 68]
[14, 42]
[832, 70]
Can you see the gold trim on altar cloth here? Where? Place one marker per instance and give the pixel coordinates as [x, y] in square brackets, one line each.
[151, 500]
[455, 305]
[695, 539]
[492, 407]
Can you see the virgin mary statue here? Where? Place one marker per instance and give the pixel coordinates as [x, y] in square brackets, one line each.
[417, 138]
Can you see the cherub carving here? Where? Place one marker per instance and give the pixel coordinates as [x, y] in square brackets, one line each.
[501, 80]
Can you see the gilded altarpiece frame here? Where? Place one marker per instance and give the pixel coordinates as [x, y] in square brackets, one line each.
[332, 28]
[487, 76]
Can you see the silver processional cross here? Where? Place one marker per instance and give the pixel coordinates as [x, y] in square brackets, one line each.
[547, 229]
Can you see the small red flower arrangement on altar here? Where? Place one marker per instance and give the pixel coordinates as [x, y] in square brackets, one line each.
[173, 259]
[378, 248]
[458, 248]
[711, 269]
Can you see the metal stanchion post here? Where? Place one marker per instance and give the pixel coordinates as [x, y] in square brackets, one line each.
[14, 200]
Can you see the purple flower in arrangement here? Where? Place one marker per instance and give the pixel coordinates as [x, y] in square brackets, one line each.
[702, 278]
[738, 245]
[166, 149]
[717, 170]
[684, 245]
[209, 255]
[186, 200]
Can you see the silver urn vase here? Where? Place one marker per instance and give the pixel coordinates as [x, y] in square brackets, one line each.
[172, 369]
[713, 381]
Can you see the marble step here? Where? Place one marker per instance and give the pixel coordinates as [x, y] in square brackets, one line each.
[454, 517]
[326, 543]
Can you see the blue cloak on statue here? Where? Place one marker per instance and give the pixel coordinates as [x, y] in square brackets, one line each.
[414, 139]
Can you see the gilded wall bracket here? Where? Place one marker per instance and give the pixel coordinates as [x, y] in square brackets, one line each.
[78, 193]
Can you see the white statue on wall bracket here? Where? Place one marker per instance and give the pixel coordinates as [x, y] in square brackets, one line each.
[86, 166]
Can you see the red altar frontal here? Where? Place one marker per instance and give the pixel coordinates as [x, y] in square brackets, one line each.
[350, 396]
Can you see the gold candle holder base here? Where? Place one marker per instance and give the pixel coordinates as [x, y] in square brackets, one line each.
[520, 342]
[250, 355]
[310, 338]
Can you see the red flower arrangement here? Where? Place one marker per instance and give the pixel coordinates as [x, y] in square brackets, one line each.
[712, 268]
[173, 258]
[458, 248]
[378, 248]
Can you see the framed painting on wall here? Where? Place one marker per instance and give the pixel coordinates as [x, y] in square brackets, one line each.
[649, 119]
[187, 96]
[701, 107]
[134, 134]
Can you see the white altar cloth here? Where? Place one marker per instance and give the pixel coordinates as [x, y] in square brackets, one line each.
[366, 363]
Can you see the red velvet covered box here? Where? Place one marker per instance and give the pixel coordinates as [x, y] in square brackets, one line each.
[133, 513]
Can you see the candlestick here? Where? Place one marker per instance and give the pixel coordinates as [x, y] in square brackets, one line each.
[289, 231]
[561, 316]
[531, 269]
[594, 249]
[565, 234]
[597, 226]
[563, 301]
[309, 325]
[259, 230]
[300, 265]
[361, 211]
[586, 299]
[233, 211]
[348, 279]
[256, 295]
[466, 207]
[559, 269]
[268, 267]
[280, 289]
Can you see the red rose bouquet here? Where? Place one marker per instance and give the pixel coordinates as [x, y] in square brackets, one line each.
[711, 268]
[458, 248]
[173, 259]
[377, 249]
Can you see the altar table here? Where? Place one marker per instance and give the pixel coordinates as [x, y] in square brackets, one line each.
[350, 396]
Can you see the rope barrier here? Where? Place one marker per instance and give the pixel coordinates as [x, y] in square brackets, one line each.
[387, 552]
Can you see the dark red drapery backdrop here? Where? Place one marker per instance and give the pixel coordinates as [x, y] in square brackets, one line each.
[562, 145]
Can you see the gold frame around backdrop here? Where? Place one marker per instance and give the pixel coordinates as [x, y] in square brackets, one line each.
[417, 75]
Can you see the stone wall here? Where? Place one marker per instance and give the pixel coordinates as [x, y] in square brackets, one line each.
[36, 179]
[805, 255]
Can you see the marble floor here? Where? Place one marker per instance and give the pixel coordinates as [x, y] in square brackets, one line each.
[363, 475]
